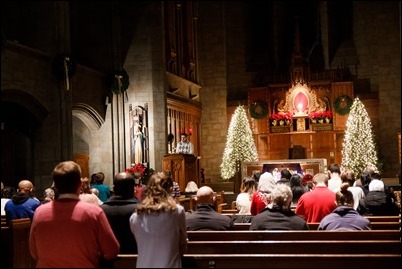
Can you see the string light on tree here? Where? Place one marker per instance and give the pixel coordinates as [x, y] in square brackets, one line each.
[240, 144]
[359, 149]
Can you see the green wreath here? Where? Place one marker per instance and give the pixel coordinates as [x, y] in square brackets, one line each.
[342, 104]
[258, 109]
[124, 82]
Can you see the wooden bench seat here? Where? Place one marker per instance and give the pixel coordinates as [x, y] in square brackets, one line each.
[293, 235]
[295, 247]
[277, 261]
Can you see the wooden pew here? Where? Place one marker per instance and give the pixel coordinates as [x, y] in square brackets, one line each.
[293, 235]
[384, 218]
[380, 225]
[19, 243]
[295, 247]
[375, 225]
[276, 261]
[15, 245]
[6, 252]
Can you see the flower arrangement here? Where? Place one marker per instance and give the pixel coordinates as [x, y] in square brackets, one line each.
[306, 178]
[137, 168]
[321, 116]
[282, 118]
[144, 171]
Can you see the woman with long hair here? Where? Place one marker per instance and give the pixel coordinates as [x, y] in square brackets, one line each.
[159, 226]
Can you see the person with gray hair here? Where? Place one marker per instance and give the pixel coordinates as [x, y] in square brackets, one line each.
[277, 215]
[377, 202]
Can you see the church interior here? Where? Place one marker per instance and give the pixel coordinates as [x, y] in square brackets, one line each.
[79, 78]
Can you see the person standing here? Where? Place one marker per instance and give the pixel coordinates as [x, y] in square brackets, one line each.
[159, 226]
[104, 190]
[67, 232]
[184, 146]
[22, 203]
[119, 208]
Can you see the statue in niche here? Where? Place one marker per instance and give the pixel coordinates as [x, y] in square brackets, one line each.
[321, 105]
[138, 144]
[281, 107]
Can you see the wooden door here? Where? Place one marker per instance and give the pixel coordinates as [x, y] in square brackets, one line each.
[82, 159]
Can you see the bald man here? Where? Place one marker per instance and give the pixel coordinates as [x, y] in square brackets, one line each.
[22, 204]
[119, 207]
[205, 217]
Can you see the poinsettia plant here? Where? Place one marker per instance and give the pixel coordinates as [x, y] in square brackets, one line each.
[144, 171]
[281, 116]
[320, 115]
[137, 168]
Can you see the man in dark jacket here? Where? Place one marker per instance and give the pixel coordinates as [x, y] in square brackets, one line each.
[119, 208]
[205, 217]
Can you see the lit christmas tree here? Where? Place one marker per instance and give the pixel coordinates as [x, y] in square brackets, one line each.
[359, 150]
[240, 144]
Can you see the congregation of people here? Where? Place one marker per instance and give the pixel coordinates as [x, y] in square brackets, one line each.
[84, 223]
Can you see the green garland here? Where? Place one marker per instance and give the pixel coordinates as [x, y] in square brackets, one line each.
[342, 104]
[258, 109]
[124, 80]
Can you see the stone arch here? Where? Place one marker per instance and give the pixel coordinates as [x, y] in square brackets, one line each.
[88, 115]
[27, 101]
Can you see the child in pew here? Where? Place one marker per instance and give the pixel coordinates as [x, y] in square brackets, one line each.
[278, 215]
[344, 217]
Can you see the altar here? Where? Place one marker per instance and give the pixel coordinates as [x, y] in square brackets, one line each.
[309, 166]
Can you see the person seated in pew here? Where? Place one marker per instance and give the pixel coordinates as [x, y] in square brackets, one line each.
[378, 202]
[262, 197]
[205, 217]
[314, 205]
[344, 217]
[243, 201]
[278, 215]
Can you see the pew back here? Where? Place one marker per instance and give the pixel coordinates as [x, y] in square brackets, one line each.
[293, 235]
[277, 261]
[295, 247]
[377, 225]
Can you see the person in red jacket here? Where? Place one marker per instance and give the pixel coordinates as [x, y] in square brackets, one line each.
[313, 206]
